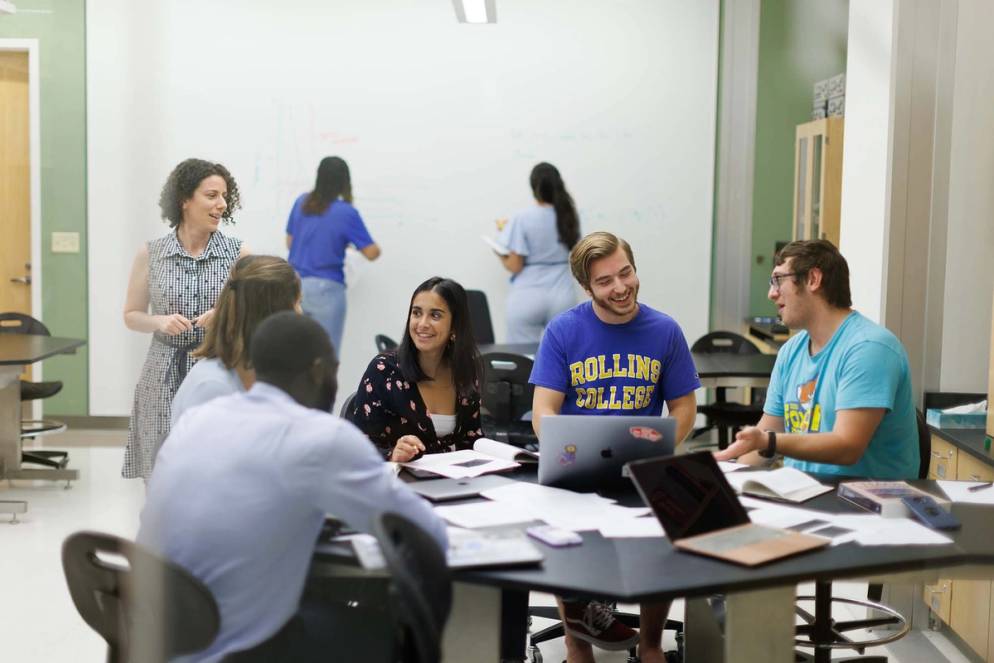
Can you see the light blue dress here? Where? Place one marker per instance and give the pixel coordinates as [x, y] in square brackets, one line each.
[544, 288]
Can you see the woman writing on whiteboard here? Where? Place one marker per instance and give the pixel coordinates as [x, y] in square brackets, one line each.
[538, 241]
[174, 283]
[322, 224]
[424, 397]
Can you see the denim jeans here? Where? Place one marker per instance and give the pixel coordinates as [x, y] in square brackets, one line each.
[324, 300]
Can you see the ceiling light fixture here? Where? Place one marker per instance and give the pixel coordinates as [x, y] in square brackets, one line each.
[7, 7]
[475, 11]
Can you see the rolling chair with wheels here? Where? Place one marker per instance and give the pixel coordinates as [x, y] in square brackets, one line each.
[144, 607]
[723, 415]
[825, 634]
[420, 586]
[628, 619]
[506, 398]
[479, 316]
[19, 323]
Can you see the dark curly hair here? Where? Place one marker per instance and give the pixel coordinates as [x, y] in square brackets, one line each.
[184, 180]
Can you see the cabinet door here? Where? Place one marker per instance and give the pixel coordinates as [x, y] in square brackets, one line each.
[972, 469]
[943, 460]
[938, 598]
[970, 609]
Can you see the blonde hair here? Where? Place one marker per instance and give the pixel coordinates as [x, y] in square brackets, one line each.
[594, 247]
[257, 287]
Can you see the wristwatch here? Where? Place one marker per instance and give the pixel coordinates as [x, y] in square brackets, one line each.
[771, 445]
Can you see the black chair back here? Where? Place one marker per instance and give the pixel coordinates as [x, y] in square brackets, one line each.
[347, 406]
[924, 445]
[385, 343]
[724, 341]
[19, 323]
[479, 316]
[507, 394]
[421, 585]
[144, 607]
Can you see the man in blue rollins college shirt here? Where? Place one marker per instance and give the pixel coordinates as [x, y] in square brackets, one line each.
[612, 356]
[241, 487]
[839, 400]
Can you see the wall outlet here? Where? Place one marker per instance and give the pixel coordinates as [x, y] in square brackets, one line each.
[65, 242]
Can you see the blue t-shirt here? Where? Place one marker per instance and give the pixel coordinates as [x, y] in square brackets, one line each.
[862, 366]
[626, 369]
[319, 241]
[532, 234]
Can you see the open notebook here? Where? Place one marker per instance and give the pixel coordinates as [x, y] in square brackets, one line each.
[786, 484]
[486, 456]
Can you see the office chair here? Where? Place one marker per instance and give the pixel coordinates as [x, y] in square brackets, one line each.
[479, 316]
[144, 607]
[824, 633]
[347, 405]
[19, 323]
[420, 587]
[723, 415]
[384, 343]
[628, 619]
[507, 397]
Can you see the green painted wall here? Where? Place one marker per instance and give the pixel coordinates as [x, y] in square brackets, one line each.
[59, 27]
[800, 42]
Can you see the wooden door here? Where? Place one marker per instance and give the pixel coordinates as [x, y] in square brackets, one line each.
[15, 184]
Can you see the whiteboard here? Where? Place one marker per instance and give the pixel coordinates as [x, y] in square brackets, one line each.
[440, 123]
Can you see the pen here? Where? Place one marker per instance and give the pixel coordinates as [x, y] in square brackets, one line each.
[980, 486]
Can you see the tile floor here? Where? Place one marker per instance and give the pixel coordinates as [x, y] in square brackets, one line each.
[38, 622]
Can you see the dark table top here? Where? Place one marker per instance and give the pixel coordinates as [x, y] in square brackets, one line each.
[639, 569]
[722, 364]
[27, 349]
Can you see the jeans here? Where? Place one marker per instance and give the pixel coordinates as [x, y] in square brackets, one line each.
[324, 300]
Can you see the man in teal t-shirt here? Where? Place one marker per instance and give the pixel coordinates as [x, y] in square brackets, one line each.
[839, 400]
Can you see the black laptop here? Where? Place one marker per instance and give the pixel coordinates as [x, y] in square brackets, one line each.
[700, 512]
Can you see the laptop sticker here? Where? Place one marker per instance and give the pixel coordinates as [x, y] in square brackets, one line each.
[568, 456]
[646, 433]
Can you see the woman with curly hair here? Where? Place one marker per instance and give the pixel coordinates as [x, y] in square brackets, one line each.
[174, 283]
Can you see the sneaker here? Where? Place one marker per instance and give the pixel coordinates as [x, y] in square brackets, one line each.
[595, 623]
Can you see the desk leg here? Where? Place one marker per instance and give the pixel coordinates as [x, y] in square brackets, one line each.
[473, 632]
[513, 625]
[759, 626]
[10, 420]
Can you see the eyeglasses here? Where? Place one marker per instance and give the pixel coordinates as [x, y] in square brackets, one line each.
[777, 279]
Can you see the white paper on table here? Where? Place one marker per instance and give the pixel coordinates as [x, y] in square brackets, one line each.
[592, 517]
[957, 491]
[533, 494]
[462, 464]
[484, 514]
[900, 532]
[728, 466]
[627, 528]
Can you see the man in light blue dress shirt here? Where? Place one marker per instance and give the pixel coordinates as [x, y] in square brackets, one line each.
[241, 489]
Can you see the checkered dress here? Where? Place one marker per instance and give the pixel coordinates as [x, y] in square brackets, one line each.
[177, 283]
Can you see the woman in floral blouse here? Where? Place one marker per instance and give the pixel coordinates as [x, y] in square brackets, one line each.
[425, 396]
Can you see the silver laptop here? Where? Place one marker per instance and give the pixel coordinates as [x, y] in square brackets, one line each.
[587, 452]
[443, 490]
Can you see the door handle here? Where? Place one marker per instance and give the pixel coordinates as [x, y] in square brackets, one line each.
[26, 280]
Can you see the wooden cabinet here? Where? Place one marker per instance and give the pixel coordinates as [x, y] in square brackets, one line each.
[818, 179]
[943, 461]
[970, 605]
